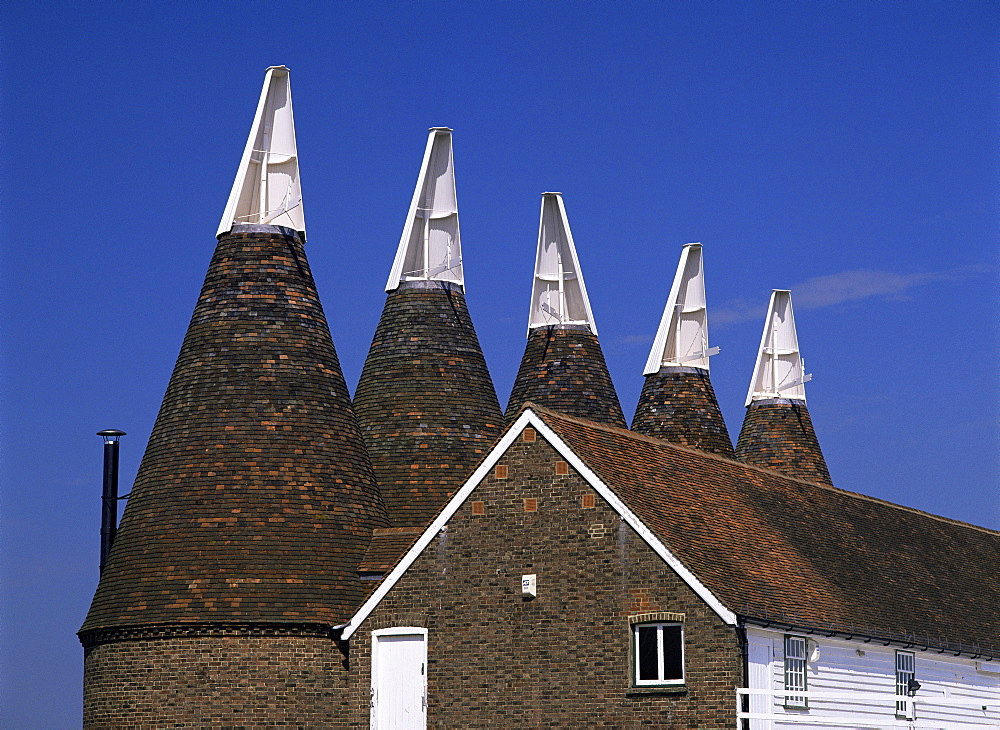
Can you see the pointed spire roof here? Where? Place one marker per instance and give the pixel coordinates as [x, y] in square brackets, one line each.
[678, 402]
[558, 294]
[255, 499]
[425, 400]
[682, 339]
[563, 366]
[430, 248]
[777, 430]
[267, 190]
[780, 370]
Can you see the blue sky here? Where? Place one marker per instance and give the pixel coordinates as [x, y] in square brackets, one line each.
[845, 150]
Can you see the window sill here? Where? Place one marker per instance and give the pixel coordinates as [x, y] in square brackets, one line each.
[676, 689]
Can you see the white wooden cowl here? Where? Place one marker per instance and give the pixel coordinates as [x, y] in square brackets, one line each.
[430, 248]
[780, 369]
[682, 338]
[267, 189]
[558, 295]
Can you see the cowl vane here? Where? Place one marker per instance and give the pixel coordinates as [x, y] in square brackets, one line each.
[780, 370]
[682, 339]
[558, 295]
[267, 189]
[430, 248]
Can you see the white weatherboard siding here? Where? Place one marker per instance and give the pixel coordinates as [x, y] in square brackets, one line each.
[861, 687]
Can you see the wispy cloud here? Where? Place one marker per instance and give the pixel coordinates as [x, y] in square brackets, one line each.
[846, 286]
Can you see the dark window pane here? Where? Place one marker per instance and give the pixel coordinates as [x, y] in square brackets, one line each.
[647, 652]
[673, 653]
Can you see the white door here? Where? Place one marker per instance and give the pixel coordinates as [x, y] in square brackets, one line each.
[759, 661]
[399, 679]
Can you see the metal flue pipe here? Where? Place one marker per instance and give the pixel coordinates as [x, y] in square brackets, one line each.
[109, 496]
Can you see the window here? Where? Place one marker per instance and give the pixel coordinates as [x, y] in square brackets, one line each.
[659, 653]
[795, 670]
[904, 675]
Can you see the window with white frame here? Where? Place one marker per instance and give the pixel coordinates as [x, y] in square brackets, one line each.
[905, 673]
[795, 671]
[658, 649]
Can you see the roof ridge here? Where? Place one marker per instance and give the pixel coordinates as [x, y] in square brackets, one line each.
[543, 411]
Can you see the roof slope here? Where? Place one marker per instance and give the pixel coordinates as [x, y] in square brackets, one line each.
[425, 401]
[255, 499]
[770, 546]
[564, 368]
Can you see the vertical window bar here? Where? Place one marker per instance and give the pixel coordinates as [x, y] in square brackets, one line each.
[795, 670]
[659, 652]
[905, 671]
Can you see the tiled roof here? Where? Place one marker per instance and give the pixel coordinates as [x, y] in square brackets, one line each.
[387, 546]
[679, 405]
[779, 435]
[255, 499]
[425, 401]
[564, 369]
[770, 545]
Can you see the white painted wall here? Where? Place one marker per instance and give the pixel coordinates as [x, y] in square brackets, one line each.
[854, 679]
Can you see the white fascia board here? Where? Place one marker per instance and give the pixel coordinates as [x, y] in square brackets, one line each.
[436, 526]
[529, 418]
[267, 189]
[682, 338]
[430, 248]
[558, 292]
[779, 371]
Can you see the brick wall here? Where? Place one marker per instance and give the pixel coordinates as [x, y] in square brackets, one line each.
[562, 659]
[214, 681]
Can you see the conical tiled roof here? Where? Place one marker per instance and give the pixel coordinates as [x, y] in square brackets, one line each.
[255, 499]
[778, 434]
[678, 404]
[677, 401]
[425, 401]
[563, 368]
[777, 431]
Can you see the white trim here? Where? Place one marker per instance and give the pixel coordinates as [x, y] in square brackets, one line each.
[400, 631]
[435, 527]
[529, 418]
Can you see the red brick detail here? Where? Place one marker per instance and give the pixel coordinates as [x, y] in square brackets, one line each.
[530, 504]
[562, 468]
[528, 434]
[501, 471]
[587, 500]
[478, 508]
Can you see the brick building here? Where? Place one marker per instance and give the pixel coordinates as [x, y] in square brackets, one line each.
[289, 557]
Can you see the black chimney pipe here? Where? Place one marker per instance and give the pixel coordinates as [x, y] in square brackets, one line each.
[109, 497]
